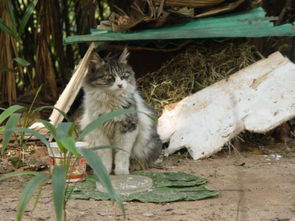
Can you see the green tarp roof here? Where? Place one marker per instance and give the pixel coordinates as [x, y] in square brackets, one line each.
[252, 23]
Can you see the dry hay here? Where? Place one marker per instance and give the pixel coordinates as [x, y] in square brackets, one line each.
[138, 14]
[194, 69]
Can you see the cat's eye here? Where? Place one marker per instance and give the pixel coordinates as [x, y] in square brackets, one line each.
[93, 70]
[108, 77]
[125, 76]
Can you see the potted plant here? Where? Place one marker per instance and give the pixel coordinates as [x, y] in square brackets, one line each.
[66, 150]
[76, 164]
[66, 138]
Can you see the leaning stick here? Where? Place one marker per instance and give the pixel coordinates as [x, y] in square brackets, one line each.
[69, 94]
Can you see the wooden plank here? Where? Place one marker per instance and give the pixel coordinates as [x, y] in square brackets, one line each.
[69, 94]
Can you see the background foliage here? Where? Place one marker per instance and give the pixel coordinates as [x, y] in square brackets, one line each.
[32, 53]
[31, 49]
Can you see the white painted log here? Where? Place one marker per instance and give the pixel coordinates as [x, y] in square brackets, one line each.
[69, 94]
[257, 98]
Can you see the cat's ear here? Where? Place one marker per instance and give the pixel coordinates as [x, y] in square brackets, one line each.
[95, 60]
[124, 56]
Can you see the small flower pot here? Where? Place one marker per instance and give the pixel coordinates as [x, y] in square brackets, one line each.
[77, 166]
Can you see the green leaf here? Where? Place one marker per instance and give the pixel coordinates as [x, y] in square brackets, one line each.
[69, 144]
[34, 133]
[50, 127]
[37, 198]
[34, 100]
[7, 30]
[61, 147]
[154, 119]
[12, 174]
[9, 111]
[27, 15]
[21, 61]
[102, 119]
[58, 185]
[12, 121]
[64, 129]
[5, 69]
[101, 173]
[106, 147]
[12, 17]
[28, 192]
[52, 107]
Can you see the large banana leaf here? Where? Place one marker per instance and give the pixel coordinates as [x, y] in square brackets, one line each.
[167, 187]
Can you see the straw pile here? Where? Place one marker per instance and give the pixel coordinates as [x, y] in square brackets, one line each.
[194, 69]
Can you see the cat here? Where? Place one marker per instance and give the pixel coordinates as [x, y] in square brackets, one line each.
[110, 85]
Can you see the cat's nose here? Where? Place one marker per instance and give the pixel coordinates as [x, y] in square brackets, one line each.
[119, 85]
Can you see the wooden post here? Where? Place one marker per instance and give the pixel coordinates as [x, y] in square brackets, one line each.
[69, 94]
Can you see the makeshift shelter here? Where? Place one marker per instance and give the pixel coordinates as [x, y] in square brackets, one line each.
[252, 23]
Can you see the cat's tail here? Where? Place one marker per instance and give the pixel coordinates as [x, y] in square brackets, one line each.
[148, 146]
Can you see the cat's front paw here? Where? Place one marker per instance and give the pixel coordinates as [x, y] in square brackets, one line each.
[121, 171]
[129, 124]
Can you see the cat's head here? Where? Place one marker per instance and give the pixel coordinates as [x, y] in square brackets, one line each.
[113, 75]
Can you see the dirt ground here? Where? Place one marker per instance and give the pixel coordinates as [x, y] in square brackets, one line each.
[254, 185]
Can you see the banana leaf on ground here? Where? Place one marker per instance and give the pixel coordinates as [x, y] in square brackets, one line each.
[167, 187]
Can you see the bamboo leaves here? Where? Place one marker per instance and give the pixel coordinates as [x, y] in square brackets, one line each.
[27, 16]
[66, 142]
[15, 31]
[7, 29]
[58, 185]
[21, 61]
[28, 192]
[9, 111]
[99, 121]
[12, 17]
[13, 174]
[102, 175]
[12, 122]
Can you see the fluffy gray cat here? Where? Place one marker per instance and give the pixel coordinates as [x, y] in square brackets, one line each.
[110, 85]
